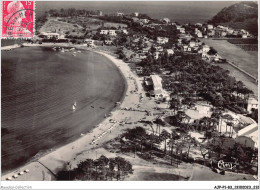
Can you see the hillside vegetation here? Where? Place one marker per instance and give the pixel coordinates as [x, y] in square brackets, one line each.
[241, 15]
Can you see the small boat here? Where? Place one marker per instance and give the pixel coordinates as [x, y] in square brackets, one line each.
[74, 106]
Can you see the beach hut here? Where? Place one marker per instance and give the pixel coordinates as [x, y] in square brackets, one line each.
[26, 171]
[21, 173]
[15, 176]
[9, 178]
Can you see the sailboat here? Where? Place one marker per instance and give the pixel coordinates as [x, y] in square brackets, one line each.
[74, 106]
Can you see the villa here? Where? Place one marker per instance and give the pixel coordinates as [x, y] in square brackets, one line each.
[108, 42]
[205, 48]
[252, 103]
[170, 51]
[108, 32]
[192, 44]
[199, 34]
[244, 36]
[145, 21]
[162, 40]
[210, 27]
[125, 31]
[156, 85]
[156, 55]
[248, 136]
[198, 24]
[89, 42]
[119, 14]
[50, 35]
[182, 30]
[166, 20]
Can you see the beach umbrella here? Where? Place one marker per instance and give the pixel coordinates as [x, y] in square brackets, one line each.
[27, 171]
[15, 176]
[21, 173]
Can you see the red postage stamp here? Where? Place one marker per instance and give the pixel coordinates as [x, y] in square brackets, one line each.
[18, 19]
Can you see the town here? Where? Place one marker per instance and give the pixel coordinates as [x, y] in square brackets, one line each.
[189, 110]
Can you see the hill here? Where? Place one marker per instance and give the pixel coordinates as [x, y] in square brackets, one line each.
[241, 15]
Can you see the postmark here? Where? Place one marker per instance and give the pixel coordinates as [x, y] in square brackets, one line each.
[18, 19]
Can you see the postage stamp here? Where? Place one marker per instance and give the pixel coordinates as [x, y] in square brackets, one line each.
[18, 19]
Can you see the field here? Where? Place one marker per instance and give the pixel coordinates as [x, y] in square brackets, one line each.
[242, 41]
[57, 25]
[245, 44]
[115, 25]
[90, 23]
[84, 22]
[245, 60]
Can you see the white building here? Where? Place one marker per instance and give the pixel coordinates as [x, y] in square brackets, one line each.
[89, 42]
[210, 27]
[162, 40]
[251, 131]
[220, 26]
[192, 44]
[182, 30]
[244, 36]
[119, 14]
[112, 32]
[104, 32]
[100, 13]
[125, 31]
[252, 103]
[108, 32]
[185, 48]
[50, 35]
[199, 34]
[156, 55]
[198, 24]
[179, 41]
[108, 42]
[144, 20]
[157, 86]
[170, 51]
[205, 48]
[166, 20]
[230, 31]
[136, 14]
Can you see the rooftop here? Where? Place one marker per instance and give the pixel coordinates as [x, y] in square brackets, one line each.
[156, 81]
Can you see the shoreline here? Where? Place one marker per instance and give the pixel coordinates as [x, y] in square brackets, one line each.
[89, 138]
[47, 165]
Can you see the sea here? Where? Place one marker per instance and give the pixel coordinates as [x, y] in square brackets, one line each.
[177, 11]
[39, 87]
